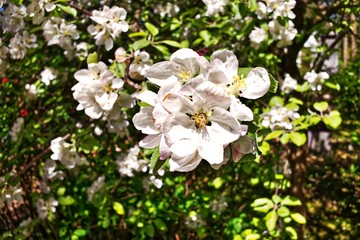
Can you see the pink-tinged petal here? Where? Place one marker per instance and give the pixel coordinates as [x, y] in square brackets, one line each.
[244, 145]
[150, 141]
[144, 122]
[164, 149]
[240, 110]
[163, 73]
[185, 164]
[257, 83]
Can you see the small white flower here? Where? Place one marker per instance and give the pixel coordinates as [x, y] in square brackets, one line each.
[289, 84]
[316, 80]
[46, 206]
[47, 75]
[214, 6]
[257, 36]
[96, 186]
[279, 117]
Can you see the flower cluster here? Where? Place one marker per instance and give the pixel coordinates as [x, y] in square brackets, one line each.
[197, 111]
[282, 31]
[130, 163]
[97, 91]
[279, 117]
[288, 84]
[65, 153]
[45, 206]
[36, 9]
[316, 80]
[9, 194]
[214, 6]
[110, 24]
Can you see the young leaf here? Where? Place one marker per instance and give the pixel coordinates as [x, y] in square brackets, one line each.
[118, 207]
[152, 29]
[298, 138]
[70, 10]
[291, 201]
[321, 106]
[274, 134]
[298, 218]
[270, 220]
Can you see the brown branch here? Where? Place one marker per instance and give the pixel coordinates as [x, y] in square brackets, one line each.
[80, 9]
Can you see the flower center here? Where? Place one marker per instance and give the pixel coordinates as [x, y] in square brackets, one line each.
[200, 120]
[107, 88]
[238, 85]
[185, 76]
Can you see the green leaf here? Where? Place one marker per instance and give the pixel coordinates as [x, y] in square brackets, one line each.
[298, 138]
[155, 162]
[276, 199]
[142, 43]
[285, 138]
[118, 207]
[152, 29]
[274, 134]
[80, 232]
[164, 50]
[303, 88]
[66, 201]
[264, 147]
[321, 106]
[270, 220]
[291, 201]
[105, 223]
[218, 182]
[273, 84]
[7, 235]
[150, 230]
[333, 86]
[262, 205]
[118, 69]
[276, 100]
[333, 119]
[283, 211]
[92, 58]
[61, 191]
[314, 119]
[205, 35]
[291, 231]
[253, 5]
[295, 100]
[172, 43]
[137, 34]
[70, 10]
[298, 218]
[292, 106]
[160, 224]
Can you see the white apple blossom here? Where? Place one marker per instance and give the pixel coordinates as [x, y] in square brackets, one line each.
[182, 67]
[31, 92]
[214, 6]
[140, 65]
[316, 80]
[288, 84]
[65, 153]
[279, 117]
[110, 24]
[96, 90]
[284, 34]
[257, 36]
[261, 11]
[130, 163]
[12, 18]
[36, 9]
[170, 9]
[49, 170]
[16, 129]
[47, 75]
[96, 186]
[282, 8]
[58, 32]
[20, 43]
[45, 206]
[194, 220]
[81, 50]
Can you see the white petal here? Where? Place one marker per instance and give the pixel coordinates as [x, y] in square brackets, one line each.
[163, 73]
[149, 97]
[240, 110]
[257, 83]
[143, 121]
[150, 141]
